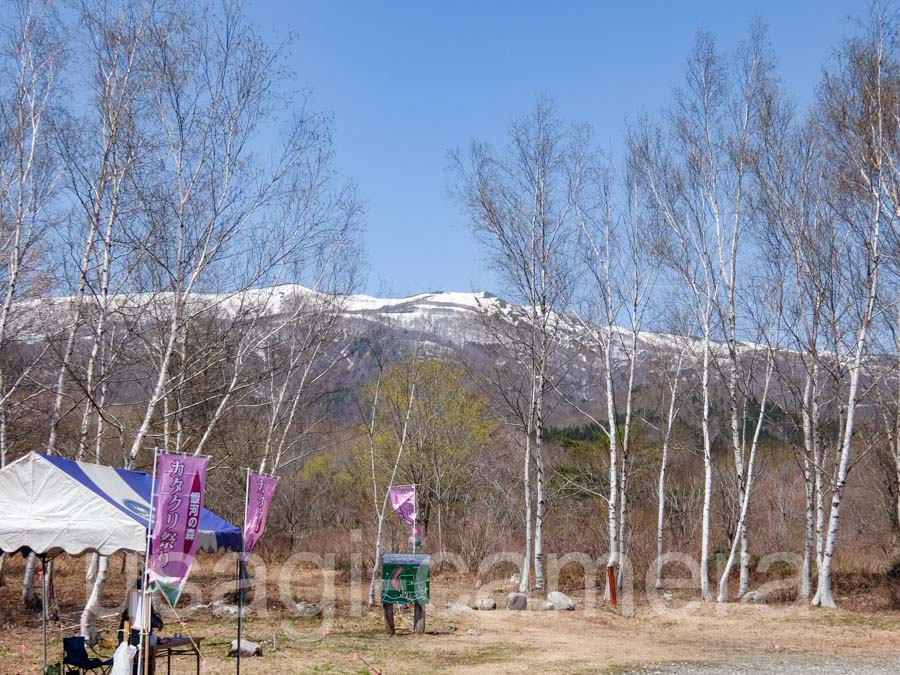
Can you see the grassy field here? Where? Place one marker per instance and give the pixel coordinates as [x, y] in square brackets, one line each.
[352, 639]
[506, 642]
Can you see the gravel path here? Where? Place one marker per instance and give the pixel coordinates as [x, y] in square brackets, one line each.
[765, 666]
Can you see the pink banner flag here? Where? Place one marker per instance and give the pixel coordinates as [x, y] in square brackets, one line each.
[403, 501]
[259, 497]
[180, 484]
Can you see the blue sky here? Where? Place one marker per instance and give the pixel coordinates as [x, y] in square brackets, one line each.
[407, 81]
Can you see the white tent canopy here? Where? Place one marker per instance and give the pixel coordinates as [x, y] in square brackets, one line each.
[52, 505]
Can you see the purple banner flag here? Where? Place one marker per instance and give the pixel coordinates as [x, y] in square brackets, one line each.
[259, 497]
[180, 484]
[403, 501]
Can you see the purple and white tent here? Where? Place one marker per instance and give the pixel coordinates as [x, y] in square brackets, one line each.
[52, 505]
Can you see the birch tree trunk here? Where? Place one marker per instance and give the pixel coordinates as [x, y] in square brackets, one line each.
[28, 596]
[705, 591]
[626, 434]
[402, 440]
[525, 579]
[864, 141]
[522, 204]
[824, 596]
[663, 465]
[612, 562]
[745, 501]
[92, 608]
[809, 533]
[539, 469]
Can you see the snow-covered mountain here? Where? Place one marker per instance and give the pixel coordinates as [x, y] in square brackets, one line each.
[478, 329]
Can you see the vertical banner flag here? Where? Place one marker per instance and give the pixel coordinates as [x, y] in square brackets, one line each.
[180, 484]
[259, 498]
[403, 500]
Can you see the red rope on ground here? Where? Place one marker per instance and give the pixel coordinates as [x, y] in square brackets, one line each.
[368, 665]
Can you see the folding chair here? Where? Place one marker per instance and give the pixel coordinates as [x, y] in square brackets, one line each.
[76, 656]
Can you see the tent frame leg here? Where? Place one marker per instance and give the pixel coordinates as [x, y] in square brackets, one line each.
[44, 600]
[44, 607]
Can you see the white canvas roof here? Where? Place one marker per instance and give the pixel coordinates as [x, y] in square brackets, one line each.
[52, 505]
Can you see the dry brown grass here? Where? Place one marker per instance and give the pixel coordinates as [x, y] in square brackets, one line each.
[504, 641]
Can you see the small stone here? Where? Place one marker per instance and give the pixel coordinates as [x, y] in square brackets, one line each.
[517, 601]
[514, 579]
[247, 648]
[477, 584]
[546, 606]
[560, 601]
[753, 598]
[485, 604]
[307, 609]
[458, 607]
[668, 597]
[223, 611]
[473, 632]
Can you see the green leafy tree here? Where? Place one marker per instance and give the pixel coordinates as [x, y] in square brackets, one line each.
[447, 426]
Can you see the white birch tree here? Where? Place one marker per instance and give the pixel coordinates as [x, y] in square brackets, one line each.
[859, 124]
[521, 205]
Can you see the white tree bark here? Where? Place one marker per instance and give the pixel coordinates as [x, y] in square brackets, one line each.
[92, 608]
[745, 500]
[28, 595]
[663, 466]
[867, 146]
[705, 591]
[612, 562]
[541, 506]
[809, 533]
[525, 579]
[824, 596]
[402, 440]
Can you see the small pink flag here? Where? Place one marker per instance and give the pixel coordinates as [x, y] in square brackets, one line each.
[259, 497]
[403, 501]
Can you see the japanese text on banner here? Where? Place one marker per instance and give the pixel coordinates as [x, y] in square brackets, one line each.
[181, 481]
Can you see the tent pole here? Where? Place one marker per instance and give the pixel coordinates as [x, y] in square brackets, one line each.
[44, 607]
[242, 559]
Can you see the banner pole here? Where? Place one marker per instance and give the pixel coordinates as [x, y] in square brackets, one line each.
[144, 640]
[242, 560]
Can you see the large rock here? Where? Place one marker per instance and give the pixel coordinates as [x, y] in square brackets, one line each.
[560, 601]
[224, 611]
[517, 601]
[307, 609]
[247, 648]
[485, 604]
[753, 598]
[221, 609]
[458, 607]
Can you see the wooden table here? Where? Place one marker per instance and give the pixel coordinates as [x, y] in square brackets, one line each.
[176, 646]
